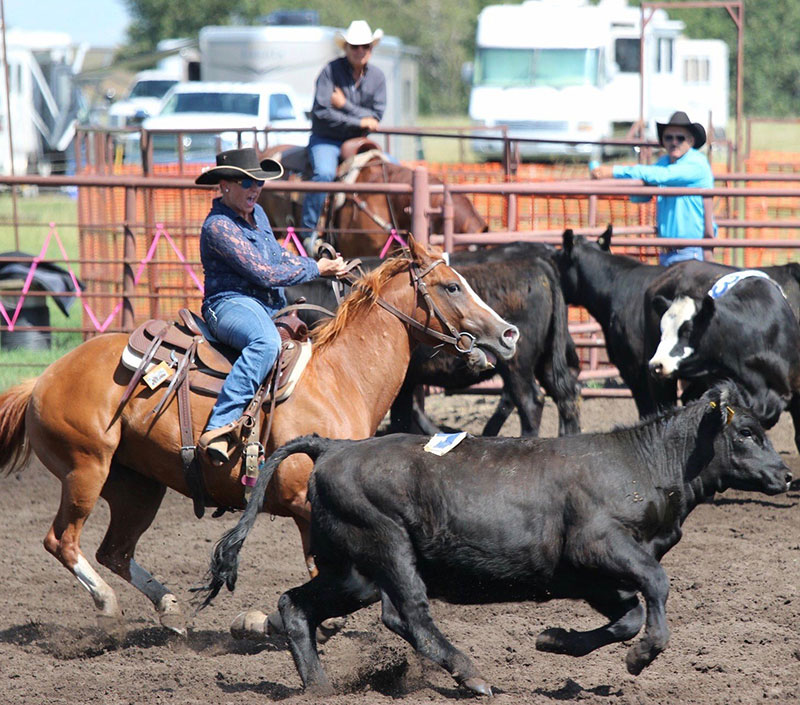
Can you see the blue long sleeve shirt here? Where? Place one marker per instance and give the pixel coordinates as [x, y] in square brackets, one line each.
[241, 259]
[367, 98]
[677, 216]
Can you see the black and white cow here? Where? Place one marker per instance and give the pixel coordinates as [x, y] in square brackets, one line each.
[743, 329]
[502, 519]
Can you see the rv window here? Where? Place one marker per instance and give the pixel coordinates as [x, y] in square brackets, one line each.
[280, 107]
[626, 54]
[664, 55]
[696, 69]
[556, 68]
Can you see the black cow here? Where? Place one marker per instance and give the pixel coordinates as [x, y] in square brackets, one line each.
[519, 281]
[612, 289]
[577, 517]
[747, 333]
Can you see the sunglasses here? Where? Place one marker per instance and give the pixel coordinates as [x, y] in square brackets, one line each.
[675, 138]
[356, 47]
[249, 183]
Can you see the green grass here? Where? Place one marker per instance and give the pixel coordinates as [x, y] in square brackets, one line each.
[34, 213]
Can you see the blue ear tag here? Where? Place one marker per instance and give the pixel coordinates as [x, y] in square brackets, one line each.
[443, 443]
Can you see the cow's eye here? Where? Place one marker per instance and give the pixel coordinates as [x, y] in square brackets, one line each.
[746, 432]
[452, 288]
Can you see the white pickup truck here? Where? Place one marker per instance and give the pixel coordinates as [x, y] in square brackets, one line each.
[229, 109]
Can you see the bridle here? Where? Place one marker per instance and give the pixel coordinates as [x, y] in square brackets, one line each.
[462, 341]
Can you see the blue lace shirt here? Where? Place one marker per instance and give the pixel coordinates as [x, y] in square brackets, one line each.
[239, 258]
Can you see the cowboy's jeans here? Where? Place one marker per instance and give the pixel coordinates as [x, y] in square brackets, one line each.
[323, 153]
[245, 324]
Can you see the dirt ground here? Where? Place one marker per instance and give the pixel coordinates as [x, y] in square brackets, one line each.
[734, 612]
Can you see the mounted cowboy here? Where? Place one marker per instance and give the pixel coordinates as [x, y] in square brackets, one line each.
[245, 272]
[349, 101]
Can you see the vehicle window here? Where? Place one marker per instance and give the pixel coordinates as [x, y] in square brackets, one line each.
[280, 107]
[237, 103]
[151, 89]
[556, 68]
[626, 54]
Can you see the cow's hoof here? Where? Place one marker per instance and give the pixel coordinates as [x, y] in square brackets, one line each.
[275, 624]
[552, 640]
[478, 686]
[320, 689]
[249, 625]
[171, 616]
[638, 658]
[330, 628]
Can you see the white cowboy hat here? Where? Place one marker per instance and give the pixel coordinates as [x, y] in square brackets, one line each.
[357, 34]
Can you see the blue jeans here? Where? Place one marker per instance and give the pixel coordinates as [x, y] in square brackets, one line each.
[323, 153]
[245, 324]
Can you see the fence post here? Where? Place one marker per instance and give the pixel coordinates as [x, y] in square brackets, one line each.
[420, 202]
[128, 283]
[448, 213]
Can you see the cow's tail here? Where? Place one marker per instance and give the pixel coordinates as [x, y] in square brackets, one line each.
[225, 556]
[14, 447]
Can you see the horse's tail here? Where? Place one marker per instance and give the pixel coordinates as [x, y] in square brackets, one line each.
[565, 362]
[14, 447]
[225, 557]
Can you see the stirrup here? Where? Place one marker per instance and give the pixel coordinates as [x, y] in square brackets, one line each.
[217, 451]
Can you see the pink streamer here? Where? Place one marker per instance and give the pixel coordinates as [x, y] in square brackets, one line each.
[291, 236]
[392, 236]
[100, 327]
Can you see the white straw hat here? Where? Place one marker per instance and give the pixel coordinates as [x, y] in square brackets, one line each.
[357, 34]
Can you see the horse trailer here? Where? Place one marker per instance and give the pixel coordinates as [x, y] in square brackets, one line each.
[569, 70]
[44, 98]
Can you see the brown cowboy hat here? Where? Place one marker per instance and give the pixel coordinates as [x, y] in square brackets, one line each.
[240, 164]
[681, 119]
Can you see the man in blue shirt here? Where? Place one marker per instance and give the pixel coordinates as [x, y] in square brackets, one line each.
[682, 165]
[349, 101]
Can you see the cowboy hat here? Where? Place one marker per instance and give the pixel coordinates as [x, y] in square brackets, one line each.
[358, 34]
[681, 119]
[240, 164]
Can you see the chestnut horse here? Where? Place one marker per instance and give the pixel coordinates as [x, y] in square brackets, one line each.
[360, 224]
[72, 419]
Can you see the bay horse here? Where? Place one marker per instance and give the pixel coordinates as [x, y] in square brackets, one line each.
[72, 419]
[359, 225]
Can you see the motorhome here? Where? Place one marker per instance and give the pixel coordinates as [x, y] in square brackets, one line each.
[44, 100]
[295, 54]
[568, 70]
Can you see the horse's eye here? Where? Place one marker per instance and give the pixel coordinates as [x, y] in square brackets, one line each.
[452, 288]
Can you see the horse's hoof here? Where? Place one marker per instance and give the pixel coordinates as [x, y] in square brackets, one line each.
[112, 625]
[171, 616]
[478, 686]
[249, 625]
[636, 661]
[330, 628]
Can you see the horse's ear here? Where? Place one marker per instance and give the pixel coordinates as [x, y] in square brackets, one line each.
[418, 251]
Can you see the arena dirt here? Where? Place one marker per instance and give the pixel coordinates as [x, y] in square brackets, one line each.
[734, 612]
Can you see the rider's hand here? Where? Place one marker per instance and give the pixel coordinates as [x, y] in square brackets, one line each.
[338, 99]
[369, 123]
[332, 267]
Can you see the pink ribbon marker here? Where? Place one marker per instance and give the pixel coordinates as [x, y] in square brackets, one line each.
[392, 236]
[291, 236]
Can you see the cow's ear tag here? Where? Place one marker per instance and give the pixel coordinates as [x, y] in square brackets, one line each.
[730, 415]
[712, 404]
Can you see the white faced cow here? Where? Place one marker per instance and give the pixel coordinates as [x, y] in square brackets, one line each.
[742, 329]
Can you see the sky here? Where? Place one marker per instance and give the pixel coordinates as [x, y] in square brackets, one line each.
[101, 23]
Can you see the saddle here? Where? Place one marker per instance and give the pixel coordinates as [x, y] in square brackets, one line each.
[295, 160]
[184, 353]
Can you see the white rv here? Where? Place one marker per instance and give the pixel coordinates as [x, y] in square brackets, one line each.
[44, 100]
[568, 70]
[295, 54]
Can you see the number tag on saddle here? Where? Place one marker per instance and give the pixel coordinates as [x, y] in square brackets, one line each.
[158, 375]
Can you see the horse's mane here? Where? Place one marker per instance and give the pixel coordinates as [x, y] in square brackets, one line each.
[362, 297]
